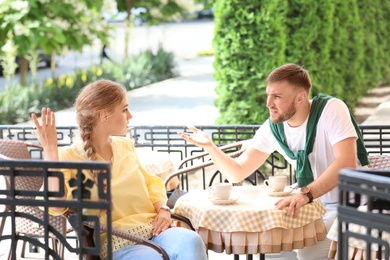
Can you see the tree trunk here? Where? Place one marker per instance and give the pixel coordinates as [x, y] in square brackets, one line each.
[23, 69]
[129, 6]
[53, 64]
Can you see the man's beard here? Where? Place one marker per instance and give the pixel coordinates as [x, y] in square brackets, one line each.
[284, 117]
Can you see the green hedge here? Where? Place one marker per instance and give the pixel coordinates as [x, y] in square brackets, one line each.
[343, 43]
[17, 102]
[244, 55]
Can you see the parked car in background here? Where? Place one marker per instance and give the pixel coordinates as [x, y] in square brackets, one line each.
[204, 13]
[44, 61]
[200, 11]
[121, 16]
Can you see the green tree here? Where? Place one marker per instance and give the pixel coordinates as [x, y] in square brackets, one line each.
[52, 26]
[154, 12]
[343, 43]
[373, 15]
[346, 53]
[249, 41]
[310, 27]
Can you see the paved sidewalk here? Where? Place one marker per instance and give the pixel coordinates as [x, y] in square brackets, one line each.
[381, 115]
[183, 100]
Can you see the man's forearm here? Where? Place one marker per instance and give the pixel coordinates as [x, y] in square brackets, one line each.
[329, 179]
[345, 157]
[225, 164]
[235, 170]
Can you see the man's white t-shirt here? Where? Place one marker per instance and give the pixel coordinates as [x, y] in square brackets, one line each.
[333, 126]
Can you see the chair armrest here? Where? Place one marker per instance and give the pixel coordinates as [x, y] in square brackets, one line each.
[379, 161]
[33, 145]
[182, 170]
[182, 219]
[131, 237]
[3, 157]
[223, 148]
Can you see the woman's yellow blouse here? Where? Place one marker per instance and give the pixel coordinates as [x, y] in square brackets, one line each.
[133, 190]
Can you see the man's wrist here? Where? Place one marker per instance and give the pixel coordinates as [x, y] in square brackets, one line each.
[307, 192]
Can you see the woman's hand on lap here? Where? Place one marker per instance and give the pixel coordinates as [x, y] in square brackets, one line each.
[162, 222]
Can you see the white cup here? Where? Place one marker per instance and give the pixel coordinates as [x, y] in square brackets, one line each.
[221, 190]
[276, 183]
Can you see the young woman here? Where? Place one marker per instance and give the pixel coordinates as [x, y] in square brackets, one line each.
[138, 198]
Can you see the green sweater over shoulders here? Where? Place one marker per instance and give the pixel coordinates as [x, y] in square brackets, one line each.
[304, 174]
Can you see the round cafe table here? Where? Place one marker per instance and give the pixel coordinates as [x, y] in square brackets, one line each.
[251, 224]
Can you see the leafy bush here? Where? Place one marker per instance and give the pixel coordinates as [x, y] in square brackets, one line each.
[17, 103]
[373, 15]
[343, 43]
[14, 103]
[249, 42]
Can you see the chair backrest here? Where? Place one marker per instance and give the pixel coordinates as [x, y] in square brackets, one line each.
[380, 161]
[366, 226]
[14, 149]
[19, 196]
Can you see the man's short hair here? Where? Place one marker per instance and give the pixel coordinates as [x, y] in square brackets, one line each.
[293, 74]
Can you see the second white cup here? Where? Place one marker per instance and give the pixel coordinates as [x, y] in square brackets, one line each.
[221, 190]
[276, 183]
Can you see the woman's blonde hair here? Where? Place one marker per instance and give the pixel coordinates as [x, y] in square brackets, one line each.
[101, 95]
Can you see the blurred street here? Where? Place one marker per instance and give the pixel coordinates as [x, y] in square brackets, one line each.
[184, 39]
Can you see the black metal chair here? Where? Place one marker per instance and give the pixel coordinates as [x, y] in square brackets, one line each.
[15, 196]
[14, 149]
[373, 221]
[84, 226]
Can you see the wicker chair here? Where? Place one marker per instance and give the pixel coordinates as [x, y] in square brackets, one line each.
[233, 150]
[379, 162]
[12, 149]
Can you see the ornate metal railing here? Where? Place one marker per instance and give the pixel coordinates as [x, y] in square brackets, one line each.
[165, 139]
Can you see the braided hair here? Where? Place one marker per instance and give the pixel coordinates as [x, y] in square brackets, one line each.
[95, 97]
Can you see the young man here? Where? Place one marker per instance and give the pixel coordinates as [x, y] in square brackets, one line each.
[318, 137]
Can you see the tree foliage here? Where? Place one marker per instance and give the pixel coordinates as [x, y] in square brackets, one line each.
[153, 12]
[52, 26]
[245, 55]
[343, 44]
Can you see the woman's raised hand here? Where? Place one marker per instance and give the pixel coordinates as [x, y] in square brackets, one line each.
[47, 133]
[198, 137]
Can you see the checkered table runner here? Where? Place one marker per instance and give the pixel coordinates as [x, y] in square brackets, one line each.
[254, 211]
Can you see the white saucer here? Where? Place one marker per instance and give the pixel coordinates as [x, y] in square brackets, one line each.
[286, 191]
[223, 202]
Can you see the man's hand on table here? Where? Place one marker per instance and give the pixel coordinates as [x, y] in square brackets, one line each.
[293, 204]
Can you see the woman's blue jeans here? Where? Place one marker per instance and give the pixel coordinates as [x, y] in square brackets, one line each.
[178, 243]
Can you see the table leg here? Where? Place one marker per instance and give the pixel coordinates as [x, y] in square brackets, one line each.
[248, 257]
[262, 256]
